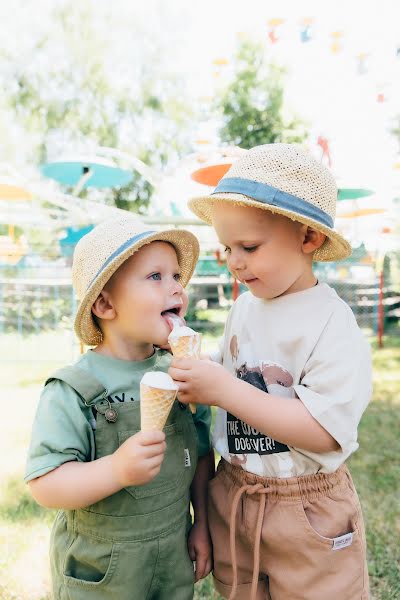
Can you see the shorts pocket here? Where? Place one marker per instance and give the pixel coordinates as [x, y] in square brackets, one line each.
[325, 518]
[90, 563]
[172, 469]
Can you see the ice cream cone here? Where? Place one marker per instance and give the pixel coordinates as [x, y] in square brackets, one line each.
[186, 346]
[155, 405]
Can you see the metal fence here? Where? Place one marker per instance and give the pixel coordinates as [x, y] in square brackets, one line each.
[37, 297]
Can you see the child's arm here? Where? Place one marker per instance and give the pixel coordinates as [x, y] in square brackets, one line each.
[199, 542]
[286, 420]
[77, 484]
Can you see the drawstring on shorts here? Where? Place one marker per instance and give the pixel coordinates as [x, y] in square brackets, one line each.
[256, 488]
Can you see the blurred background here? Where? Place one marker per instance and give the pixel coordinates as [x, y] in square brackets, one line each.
[138, 106]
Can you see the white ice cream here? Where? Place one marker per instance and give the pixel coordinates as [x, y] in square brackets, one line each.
[181, 331]
[160, 380]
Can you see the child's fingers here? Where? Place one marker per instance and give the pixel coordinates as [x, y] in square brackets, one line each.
[146, 438]
[182, 363]
[192, 552]
[183, 387]
[209, 565]
[178, 374]
[154, 450]
[154, 463]
[200, 566]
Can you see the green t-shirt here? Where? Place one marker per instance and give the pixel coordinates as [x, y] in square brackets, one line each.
[63, 428]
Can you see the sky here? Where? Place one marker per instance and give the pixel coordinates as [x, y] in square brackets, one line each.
[322, 87]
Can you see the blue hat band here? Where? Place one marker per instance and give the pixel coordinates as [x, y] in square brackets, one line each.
[133, 240]
[267, 194]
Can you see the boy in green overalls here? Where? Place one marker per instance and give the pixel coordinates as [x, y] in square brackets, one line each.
[123, 530]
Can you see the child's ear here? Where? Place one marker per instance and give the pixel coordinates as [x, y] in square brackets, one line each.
[103, 306]
[312, 240]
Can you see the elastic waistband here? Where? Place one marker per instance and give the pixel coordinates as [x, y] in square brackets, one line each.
[288, 487]
[129, 528]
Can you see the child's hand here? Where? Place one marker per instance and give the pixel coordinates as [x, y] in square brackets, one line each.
[200, 550]
[200, 381]
[138, 460]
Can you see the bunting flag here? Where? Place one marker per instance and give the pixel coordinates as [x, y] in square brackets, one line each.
[220, 62]
[336, 45]
[362, 63]
[307, 27]
[305, 30]
[381, 96]
[273, 24]
[324, 145]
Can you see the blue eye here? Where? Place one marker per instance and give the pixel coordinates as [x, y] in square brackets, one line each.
[155, 276]
[177, 276]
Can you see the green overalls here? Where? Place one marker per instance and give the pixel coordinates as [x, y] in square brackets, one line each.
[133, 544]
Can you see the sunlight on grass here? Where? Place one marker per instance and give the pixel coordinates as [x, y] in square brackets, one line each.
[24, 573]
[34, 356]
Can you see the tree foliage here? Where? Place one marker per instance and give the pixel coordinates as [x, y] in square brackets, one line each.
[252, 105]
[86, 76]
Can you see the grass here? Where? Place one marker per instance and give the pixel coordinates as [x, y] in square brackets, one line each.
[376, 471]
[25, 527]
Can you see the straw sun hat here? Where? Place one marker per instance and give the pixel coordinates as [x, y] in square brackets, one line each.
[99, 254]
[284, 179]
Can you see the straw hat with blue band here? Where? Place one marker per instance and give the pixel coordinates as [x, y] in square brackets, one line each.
[283, 179]
[99, 253]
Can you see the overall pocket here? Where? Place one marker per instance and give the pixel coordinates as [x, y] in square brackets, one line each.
[90, 563]
[172, 468]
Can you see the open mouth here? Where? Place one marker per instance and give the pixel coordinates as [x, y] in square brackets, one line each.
[173, 317]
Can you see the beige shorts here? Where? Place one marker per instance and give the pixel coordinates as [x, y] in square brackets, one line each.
[300, 538]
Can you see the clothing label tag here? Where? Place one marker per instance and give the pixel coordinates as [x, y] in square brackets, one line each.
[342, 541]
[187, 457]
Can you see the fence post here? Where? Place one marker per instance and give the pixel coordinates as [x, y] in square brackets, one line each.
[2, 311]
[381, 311]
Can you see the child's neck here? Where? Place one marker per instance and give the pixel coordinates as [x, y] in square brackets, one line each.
[304, 282]
[124, 349]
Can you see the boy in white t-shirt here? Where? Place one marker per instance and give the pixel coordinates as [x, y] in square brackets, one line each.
[295, 381]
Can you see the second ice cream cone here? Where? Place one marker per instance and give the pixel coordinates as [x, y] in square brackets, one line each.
[185, 346]
[155, 405]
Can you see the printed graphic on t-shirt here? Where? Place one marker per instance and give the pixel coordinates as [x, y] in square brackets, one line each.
[243, 439]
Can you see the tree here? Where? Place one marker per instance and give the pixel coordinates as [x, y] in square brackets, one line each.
[94, 74]
[252, 105]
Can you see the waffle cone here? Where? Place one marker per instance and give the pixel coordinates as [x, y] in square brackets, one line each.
[155, 405]
[187, 346]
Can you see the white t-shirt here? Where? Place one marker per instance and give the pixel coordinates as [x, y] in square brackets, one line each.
[306, 345]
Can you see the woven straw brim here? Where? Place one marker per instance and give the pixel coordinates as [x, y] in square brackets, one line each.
[187, 250]
[334, 248]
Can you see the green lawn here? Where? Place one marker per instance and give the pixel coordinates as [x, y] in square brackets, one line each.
[24, 526]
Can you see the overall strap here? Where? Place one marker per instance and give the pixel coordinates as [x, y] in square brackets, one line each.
[87, 386]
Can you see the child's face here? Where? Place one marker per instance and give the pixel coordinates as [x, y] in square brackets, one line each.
[264, 250]
[142, 289]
